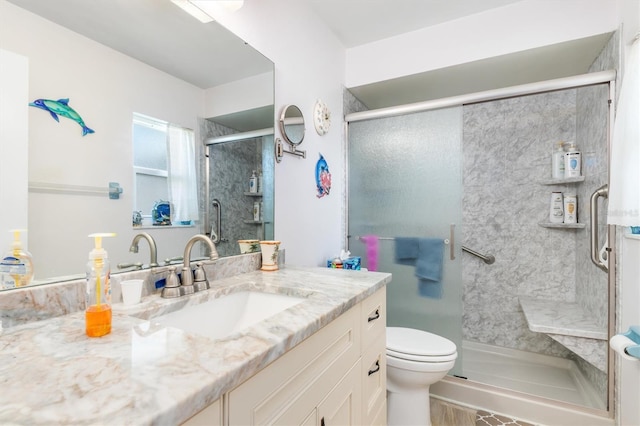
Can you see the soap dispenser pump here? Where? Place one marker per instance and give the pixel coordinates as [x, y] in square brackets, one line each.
[98, 313]
[16, 266]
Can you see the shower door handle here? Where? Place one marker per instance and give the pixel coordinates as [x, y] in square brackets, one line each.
[603, 191]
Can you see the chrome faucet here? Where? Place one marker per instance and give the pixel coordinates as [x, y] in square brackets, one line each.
[187, 275]
[153, 249]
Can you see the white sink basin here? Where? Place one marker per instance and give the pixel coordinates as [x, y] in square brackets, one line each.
[220, 317]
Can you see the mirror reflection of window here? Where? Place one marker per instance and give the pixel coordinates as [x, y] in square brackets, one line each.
[164, 168]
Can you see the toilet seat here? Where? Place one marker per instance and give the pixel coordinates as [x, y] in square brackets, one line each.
[418, 345]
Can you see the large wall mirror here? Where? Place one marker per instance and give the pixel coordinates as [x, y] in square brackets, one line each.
[148, 58]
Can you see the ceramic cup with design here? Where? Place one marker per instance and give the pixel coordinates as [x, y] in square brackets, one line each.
[269, 255]
[249, 246]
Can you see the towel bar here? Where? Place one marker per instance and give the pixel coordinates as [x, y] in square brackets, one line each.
[358, 237]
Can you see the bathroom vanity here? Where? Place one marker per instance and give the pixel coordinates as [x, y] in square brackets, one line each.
[320, 359]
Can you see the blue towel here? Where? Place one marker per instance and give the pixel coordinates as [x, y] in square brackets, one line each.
[406, 250]
[426, 254]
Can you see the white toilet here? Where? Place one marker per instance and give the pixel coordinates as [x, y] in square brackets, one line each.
[415, 360]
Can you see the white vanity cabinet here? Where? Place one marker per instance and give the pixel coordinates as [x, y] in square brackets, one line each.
[374, 365]
[210, 416]
[325, 380]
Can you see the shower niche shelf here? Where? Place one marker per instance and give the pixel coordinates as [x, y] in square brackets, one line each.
[563, 181]
[562, 225]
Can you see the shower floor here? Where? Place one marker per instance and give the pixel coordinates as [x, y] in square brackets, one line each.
[534, 374]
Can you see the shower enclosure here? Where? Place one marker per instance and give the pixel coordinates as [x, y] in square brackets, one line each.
[229, 213]
[536, 321]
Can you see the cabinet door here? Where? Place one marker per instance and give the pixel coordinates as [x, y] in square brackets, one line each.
[342, 406]
[287, 391]
[210, 416]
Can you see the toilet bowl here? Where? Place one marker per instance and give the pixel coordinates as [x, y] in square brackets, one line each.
[415, 360]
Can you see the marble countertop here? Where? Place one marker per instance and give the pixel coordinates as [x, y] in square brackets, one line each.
[145, 373]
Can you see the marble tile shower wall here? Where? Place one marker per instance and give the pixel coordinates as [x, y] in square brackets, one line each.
[231, 167]
[506, 153]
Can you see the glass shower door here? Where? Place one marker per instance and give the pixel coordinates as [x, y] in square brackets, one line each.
[405, 180]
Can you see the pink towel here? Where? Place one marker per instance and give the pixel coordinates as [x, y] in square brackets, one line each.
[373, 248]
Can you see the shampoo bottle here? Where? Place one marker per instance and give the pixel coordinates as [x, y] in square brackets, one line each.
[16, 266]
[572, 162]
[98, 313]
[556, 208]
[253, 182]
[570, 208]
[557, 161]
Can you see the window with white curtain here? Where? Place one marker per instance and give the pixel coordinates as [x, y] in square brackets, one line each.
[164, 167]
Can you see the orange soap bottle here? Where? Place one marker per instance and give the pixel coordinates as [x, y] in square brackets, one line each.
[98, 313]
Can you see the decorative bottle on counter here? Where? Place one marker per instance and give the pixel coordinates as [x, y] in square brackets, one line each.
[556, 211]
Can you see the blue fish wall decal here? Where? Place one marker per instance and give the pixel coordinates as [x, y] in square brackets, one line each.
[61, 107]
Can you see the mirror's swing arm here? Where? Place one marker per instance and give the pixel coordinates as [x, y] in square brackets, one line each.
[280, 151]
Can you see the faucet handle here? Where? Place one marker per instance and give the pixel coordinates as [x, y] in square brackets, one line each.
[200, 278]
[172, 278]
[172, 286]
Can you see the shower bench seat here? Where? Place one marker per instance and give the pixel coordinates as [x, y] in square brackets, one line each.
[570, 325]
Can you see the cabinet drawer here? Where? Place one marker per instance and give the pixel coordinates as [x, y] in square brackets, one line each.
[374, 317]
[282, 388]
[374, 381]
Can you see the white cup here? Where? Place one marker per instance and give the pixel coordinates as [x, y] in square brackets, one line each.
[131, 291]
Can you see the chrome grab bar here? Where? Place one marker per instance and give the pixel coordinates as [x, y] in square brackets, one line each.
[215, 236]
[486, 258]
[603, 191]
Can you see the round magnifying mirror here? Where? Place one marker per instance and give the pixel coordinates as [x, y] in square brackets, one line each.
[292, 125]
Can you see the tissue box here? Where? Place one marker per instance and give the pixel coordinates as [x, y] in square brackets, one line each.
[349, 263]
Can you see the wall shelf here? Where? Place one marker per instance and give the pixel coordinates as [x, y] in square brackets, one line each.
[254, 222]
[562, 225]
[253, 194]
[563, 181]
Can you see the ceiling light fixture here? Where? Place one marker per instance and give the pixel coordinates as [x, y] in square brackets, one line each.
[231, 5]
[193, 10]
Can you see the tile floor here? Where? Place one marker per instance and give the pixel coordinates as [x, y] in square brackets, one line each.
[484, 418]
[448, 414]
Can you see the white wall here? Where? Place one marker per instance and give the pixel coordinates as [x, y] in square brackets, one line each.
[519, 26]
[255, 92]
